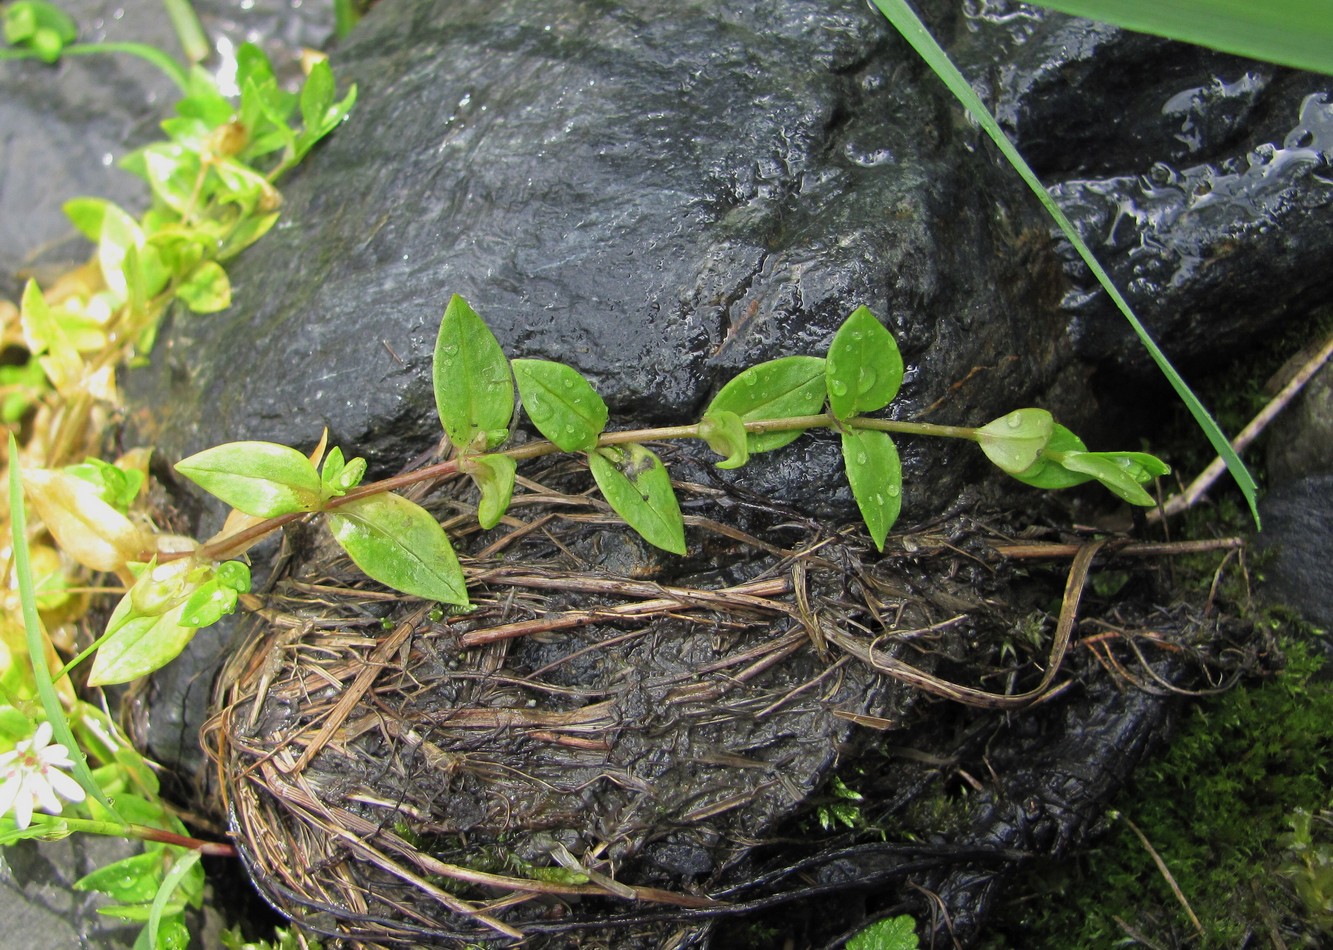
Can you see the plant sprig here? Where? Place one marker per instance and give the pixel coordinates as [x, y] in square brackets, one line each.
[398, 543]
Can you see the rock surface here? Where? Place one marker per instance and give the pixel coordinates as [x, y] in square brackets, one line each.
[659, 197]
[1202, 181]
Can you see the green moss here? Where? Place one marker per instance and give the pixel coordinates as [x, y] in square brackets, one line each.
[1217, 808]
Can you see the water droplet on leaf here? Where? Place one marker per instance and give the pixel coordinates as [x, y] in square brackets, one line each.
[751, 377]
[838, 387]
[893, 491]
[862, 458]
[1015, 420]
[865, 380]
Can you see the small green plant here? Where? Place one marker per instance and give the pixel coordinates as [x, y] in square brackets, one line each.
[64, 766]
[1308, 864]
[892, 933]
[398, 543]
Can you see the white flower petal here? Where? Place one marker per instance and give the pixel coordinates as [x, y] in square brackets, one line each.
[66, 787]
[7, 757]
[9, 790]
[43, 794]
[23, 803]
[41, 737]
[55, 756]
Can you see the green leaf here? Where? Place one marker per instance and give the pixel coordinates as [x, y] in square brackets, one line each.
[778, 389]
[207, 289]
[400, 544]
[340, 476]
[494, 476]
[259, 478]
[316, 95]
[140, 646]
[864, 369]
[208, 604]
[1116, 478]
[118, 487]
[40, 26]
[1295, 33]
[248, 230]
[725, 434]
[636, 484]
[1014, 441]
[172, 171]
[474, 389]
[892, 933]
[1046, 473]
[876, 477]
[119, 234]
[164, 909]
[561, 403]
[86, 215]
[132, 880]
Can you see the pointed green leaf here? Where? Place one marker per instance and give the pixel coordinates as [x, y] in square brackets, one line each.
[636, 484]
[259, 478]
[725, 434]
[207, 289]
[400, 544]
[1015, 441]
[790, 386]
[316, 95]
[140, 646]
[86, 215]
[208, 604]
[132, 879]
[561, 403]
[864, 369]
[1114, 477]
[876, 477]
[474, 389]
[494, 476]
[117, 486]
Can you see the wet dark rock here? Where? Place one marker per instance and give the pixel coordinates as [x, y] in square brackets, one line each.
[1200, 180]
[39, 905]
[1300, 441]
[659, 197]
[1298, 530]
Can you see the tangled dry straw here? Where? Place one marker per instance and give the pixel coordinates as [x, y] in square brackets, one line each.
[607, 749]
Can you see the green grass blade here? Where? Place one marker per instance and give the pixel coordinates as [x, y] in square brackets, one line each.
[906, 22]
[1291, 32]
[46, 690]
[189, 30]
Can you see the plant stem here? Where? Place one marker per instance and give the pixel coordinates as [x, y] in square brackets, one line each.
[114, 829]
[218, 550]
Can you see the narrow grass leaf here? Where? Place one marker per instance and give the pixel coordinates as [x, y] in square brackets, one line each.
[263, 479]
[864, 369]
[779, 389]
[1295, 33]
[37, 640]
[400, 544]
[474, 389]
[906, 22]
[561, 403]
[636, 484]
[876, 477]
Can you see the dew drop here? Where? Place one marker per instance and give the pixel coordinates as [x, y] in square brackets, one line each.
[751, 377]
[838, 387]
[1015, 420]
[879, 500]
[569, 383]
[893, 491]
[450, 349]
[857, 335]
[865, 380]
[569, 430]
[862, 458]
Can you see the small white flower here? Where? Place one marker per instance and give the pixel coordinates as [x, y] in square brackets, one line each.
[30, 775]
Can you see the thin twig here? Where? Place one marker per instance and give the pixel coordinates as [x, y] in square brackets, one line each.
[1166, 873]
[1197, 488]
